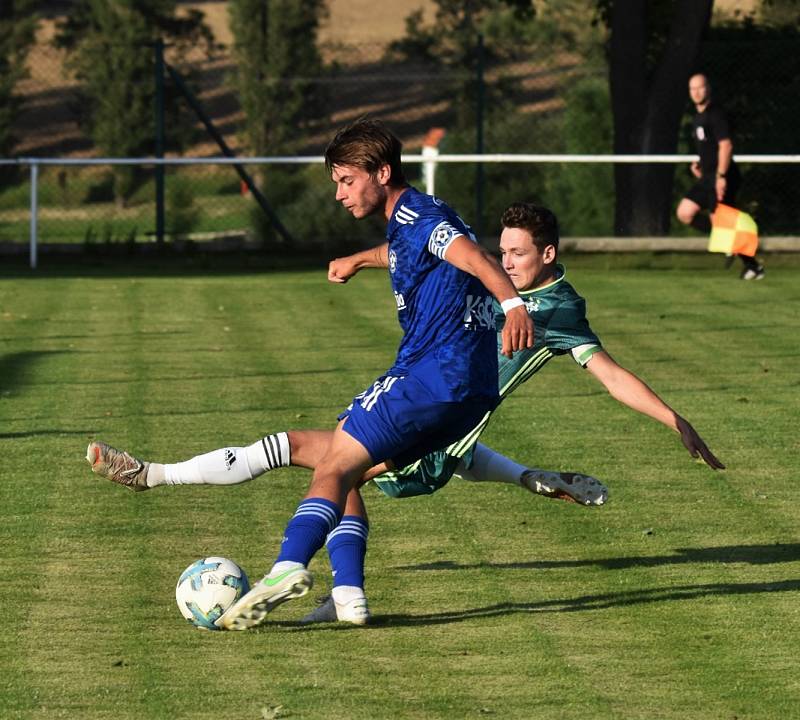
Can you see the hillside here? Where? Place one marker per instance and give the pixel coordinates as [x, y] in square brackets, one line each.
[48, 124]
[354, 34]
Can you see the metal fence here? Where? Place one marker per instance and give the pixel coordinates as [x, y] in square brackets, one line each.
[229, 223]
[78, 202]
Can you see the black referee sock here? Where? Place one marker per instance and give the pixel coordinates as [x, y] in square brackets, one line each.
[702, 223]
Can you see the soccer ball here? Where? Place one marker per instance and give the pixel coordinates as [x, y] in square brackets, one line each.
[207, 588]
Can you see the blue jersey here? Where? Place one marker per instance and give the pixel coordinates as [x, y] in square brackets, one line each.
[446, 314]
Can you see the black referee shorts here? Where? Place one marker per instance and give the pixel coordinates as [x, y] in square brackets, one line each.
[704, 192]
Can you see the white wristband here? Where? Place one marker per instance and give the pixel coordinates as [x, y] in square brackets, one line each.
[511, 303]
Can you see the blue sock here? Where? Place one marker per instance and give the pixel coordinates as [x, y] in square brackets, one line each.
[347, 548]
[306, 531]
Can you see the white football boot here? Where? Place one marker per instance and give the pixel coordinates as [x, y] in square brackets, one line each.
[252, 609]
[572, 487]
[354, 611]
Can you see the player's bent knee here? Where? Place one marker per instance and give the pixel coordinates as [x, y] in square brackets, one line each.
[686, 212]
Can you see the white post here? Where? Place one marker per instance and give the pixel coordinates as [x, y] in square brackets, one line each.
[429, 168]
[34, 210]
[430, 149]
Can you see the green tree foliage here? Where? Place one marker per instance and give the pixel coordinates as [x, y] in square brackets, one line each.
[275, 49]
[277, 63]
[583, 193]
[548, 36]
[111, 51]
[504, 184]
[17, 25]
[450, 41]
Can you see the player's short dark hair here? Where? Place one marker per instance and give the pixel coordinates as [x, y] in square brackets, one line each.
[540, 222]
[366, 144]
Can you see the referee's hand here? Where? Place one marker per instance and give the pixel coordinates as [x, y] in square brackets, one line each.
[517, 332]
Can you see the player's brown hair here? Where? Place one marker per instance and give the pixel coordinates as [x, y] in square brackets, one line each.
[540, 222]
[366, 144]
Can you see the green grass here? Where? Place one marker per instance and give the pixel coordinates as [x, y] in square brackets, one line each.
[76, 206]
[678, 599]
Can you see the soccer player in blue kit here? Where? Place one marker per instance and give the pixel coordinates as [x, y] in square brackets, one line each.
[444, 379]
[529, 246]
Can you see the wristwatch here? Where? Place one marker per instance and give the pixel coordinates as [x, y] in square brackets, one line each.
[721, 175]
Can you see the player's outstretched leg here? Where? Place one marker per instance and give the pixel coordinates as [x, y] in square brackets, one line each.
[225, 466]
[573, 487]
[490, 466]
[118, 466]
[252, 609]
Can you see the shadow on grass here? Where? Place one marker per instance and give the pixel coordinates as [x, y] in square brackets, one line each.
[16, 367]
[94, 336]
[200, 377]
[40, 433]
[594, 602]
[602, 601]
[750, 554]
[148, 261]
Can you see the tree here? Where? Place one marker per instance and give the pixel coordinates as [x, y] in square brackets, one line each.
[275, 49]
[277, 66]
[111, 51]
[17, 26]
[451, 42]
[653, 50]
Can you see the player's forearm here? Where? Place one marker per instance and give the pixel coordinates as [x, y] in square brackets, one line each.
[631, 391]
[496, 281]
[377, 257]
[476, 261]
[627, 388]
[724, 155]
[340, 270]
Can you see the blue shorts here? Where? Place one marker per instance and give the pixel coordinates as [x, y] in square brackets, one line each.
[397, 419]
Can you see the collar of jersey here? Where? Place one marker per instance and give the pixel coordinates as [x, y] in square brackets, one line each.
[559, 269]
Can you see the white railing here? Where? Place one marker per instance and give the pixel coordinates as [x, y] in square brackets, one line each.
[430, 159]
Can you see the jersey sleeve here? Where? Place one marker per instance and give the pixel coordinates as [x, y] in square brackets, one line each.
[569, 332]
[441, 237]
[720, 123]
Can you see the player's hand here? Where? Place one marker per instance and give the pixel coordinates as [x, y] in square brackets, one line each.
[517, 332]
[340, 270]
[695, 168]
[695, 445]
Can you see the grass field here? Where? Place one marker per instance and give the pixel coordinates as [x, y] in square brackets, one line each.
[679, 599]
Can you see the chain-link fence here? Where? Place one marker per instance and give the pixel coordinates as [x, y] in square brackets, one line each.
[538, 104]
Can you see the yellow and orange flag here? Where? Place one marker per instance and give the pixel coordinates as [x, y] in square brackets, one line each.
[733, 232]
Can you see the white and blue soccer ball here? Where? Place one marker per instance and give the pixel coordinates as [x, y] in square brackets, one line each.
[207, 588]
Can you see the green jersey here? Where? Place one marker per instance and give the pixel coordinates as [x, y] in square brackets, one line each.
[560, 326]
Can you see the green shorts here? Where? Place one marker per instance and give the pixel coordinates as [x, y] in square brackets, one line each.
[423, 477]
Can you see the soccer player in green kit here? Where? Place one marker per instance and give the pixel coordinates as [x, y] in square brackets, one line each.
[529, 248]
